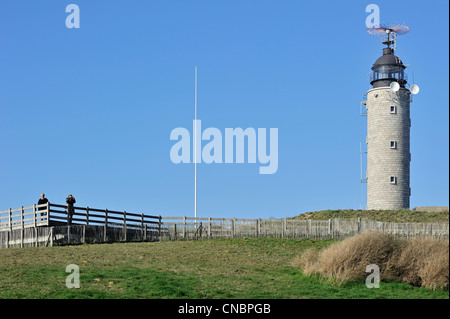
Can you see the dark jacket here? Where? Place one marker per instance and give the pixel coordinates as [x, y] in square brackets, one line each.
[42, 201]
[70, 201]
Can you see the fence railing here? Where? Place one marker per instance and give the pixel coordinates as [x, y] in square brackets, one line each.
[22, 226]
[31, 216]
[95, 216]
[55, 214]
[194, 228]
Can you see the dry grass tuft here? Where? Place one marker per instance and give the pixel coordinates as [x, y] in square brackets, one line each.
[423, 262]
[419, 262]
[306, 261]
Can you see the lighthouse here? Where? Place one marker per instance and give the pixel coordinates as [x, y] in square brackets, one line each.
[388, 127]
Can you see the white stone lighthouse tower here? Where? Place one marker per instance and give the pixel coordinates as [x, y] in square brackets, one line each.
[388, 129]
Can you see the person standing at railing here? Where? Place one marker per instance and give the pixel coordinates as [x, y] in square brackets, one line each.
[41, 201]
[70, 200]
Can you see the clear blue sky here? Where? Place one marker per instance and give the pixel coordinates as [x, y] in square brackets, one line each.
[89, 111]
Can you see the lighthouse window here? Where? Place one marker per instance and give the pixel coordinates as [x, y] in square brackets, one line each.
[393, 109]
[393, 144]
[393, 180]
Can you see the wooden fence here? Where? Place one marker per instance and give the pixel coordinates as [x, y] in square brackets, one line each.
[32, 216]
[50, 224]
[194, 228]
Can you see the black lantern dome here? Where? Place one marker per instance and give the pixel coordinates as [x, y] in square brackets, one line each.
[388, 68]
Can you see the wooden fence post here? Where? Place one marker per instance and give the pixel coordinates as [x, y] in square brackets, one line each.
[359, 225]
[48, 214]
[184, 226]
[159, 227]
[258, 227]
[10, 219]
[209, 227]
[142, 226]
[21, 227]
[68, 234]
[105, 225]
[34, 215]
[87, 216]
[125, 225]
[233, 227]
[10, 228]
[330, 227]
[83, 235]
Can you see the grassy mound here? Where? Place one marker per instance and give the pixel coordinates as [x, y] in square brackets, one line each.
[395, 216]
[418, 262]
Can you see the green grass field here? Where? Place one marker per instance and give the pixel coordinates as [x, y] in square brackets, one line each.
[222, 268]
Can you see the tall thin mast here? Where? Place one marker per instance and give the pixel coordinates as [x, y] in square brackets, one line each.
[195, 148]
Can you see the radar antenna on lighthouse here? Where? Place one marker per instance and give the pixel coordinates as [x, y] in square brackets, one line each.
[389, 33]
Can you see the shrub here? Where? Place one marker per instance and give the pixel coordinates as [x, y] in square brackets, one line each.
[419, 262]
[423, 262]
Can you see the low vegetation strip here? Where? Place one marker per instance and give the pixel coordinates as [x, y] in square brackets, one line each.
[396, 216]
[256, 268]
